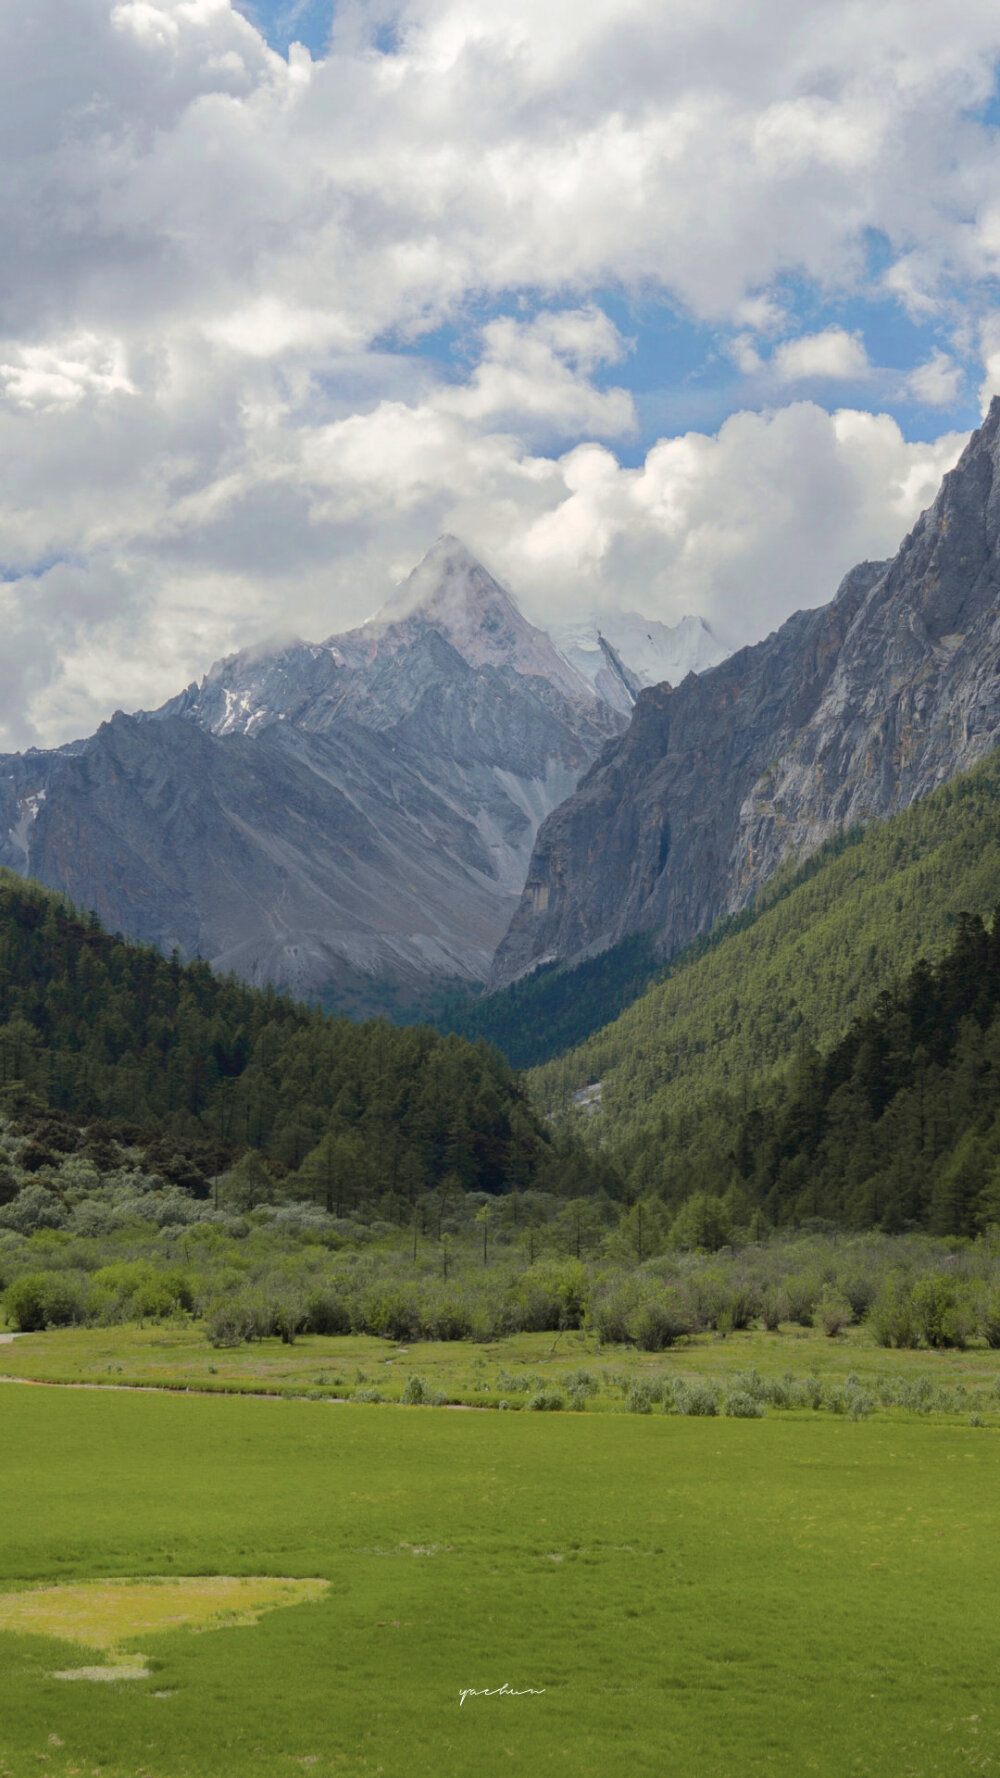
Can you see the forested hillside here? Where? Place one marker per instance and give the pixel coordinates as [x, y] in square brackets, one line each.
[198, 1069]
[899, 1124]
[677, 1068]
[556, 1008]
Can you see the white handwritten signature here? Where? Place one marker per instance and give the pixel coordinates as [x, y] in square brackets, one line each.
[501, 1690]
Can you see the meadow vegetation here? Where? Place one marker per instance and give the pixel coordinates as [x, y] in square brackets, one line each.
[742, 1597]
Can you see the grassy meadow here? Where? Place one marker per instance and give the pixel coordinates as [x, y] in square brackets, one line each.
[687, 1596]
[176, 1357]
[800, 1593]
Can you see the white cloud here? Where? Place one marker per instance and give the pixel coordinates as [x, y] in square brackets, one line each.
[537, 373]
[937, 381]
[59, 374]
[833, 354]
[744, 354]
[214, 261]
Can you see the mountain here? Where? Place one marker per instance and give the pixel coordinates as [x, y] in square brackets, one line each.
[619, 652]
[845, 714]
[326, 817]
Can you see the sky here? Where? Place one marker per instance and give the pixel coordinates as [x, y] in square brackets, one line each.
[677, 306]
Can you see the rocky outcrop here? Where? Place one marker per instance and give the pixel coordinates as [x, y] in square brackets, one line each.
[845, 714]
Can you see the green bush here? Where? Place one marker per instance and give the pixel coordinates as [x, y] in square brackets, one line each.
[326, 1312]
[773, 1309]
[641, 1396]
[547, 1401]
[801, 1293]
[695, 1398]
[580, 1381]
[740, 1406]
[891, 1318]
[38, 1300]
[832, 1313]
[658, 1322]
[937, 1312]
[989, 1318]
[34, 1207]
[229, 1323]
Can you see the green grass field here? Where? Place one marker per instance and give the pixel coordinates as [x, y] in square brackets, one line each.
[177, 1356]
[706, 1598]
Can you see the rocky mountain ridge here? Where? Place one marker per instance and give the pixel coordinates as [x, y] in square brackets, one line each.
[844, 714]
[322, 816]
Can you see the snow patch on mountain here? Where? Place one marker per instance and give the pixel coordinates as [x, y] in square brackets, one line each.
[651, 652]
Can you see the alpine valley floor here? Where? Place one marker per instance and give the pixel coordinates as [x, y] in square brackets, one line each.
[711, 1597]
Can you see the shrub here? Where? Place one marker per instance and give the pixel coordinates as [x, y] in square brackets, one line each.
[391, 1313]
[860, 1291]
[658, 1322]
[740, 1406]
[228, 1323]
[696, 1398]
[547, 1401]
[415, 1392]
[891, 1316]
[833, 1313]
[326, 1312]
[444, 1318]
[610, 1315]
[519, 1384]
[641, 1396]
[582, 1382]
[938, 1312]
[366, 1395]
[772, 1309]
[800, 1294]
[989, 1318]
[38, 1300]
[34, 1208]
[744, 1304]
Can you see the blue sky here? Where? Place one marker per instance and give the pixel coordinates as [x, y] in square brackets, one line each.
[662, 305]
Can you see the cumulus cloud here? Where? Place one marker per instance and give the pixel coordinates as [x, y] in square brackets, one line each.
[833, 354]
[216, 262]
[937, 381]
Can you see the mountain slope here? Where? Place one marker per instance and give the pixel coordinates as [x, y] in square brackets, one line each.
[645, 842]
[326, 816]
[679, 1066]
[844, 714]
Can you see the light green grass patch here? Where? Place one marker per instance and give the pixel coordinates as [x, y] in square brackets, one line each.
[106, 1614]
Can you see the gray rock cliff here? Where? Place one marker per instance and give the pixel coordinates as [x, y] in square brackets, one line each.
[845, 714]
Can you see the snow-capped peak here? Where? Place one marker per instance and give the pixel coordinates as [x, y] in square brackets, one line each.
[452, 591]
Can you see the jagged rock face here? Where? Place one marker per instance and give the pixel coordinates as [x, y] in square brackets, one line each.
[845, 714]
[915, 696]
[645, 842]
[323, 815]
